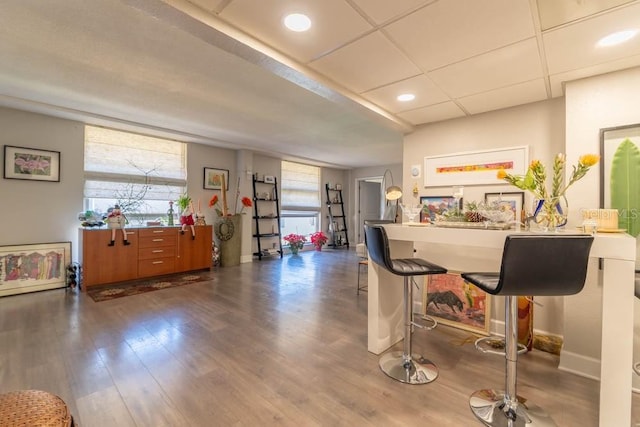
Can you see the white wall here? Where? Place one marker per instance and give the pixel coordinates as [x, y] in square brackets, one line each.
[592, 104]
[539, 126]
[42, 212]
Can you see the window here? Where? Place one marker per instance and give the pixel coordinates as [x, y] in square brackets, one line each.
[138, 172]
[300, 189]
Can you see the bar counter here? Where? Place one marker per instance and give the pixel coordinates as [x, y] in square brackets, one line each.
[618, 252]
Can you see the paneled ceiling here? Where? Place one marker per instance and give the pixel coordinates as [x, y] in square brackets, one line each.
[227, 72]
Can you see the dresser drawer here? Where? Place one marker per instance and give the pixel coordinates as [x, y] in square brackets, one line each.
[157, 252]
[158, 231]
[157, 241]
[156, 267]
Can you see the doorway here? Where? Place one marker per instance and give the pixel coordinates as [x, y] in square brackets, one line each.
[369, 204]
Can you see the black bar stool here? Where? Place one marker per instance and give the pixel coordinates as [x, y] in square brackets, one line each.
[546, 265]
[402, 365]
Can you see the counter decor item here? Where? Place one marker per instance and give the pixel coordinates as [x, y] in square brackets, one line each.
[319, 239]
[550, 207]
[228, 226]
[295, 241]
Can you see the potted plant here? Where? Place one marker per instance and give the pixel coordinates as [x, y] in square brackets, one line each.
[319, 239]
[295, 241]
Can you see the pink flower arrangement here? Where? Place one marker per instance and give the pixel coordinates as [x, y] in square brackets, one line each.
[318, 239]
[296, 241]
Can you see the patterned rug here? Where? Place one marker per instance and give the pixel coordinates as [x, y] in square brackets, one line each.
[119, 290]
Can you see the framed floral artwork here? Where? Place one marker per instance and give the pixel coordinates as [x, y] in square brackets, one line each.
[513, 201]
[31, 164]
[213, 179]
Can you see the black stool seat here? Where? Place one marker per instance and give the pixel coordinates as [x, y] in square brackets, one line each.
[548, 264]
[402, 366]
[414, 267]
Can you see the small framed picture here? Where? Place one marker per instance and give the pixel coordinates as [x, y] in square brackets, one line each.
[213, 179]
[269, 179]
[31, 164]
[338, 187]
[513, 201]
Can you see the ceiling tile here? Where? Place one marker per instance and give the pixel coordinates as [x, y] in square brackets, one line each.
[382, 10]
[453, 30]
[432, 113]
[557, 80]
[574, 46]
[554, 12]
[209, 5]
[368, 63]
[510, 96]
[426, 92]
[334, 23]
[503, 67]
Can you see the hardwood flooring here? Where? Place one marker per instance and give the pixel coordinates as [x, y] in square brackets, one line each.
[276, 342]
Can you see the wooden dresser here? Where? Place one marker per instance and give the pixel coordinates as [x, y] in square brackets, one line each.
[153, 251]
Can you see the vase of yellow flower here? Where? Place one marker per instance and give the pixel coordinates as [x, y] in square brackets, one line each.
[550, 207]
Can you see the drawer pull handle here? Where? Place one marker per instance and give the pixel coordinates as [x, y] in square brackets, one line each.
[158, 231]
[158, 240]
[157, 251]
[157, 262]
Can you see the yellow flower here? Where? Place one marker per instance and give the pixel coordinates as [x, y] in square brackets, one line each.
[502, 174]
[589, 159]
[534, 164]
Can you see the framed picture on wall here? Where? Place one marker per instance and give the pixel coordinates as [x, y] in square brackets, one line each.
[213, 179]
[474, 167]
[619, 180]
[31, 164]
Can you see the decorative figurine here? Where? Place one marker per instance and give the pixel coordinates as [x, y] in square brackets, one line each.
[186, 218]
[116, 220]
[170, 214]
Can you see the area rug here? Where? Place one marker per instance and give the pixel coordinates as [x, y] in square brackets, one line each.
[119, 290]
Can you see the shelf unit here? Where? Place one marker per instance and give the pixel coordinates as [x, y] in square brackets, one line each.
[337, 219]
[266, 216]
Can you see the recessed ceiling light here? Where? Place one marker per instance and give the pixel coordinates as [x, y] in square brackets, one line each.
[297, 22]
[617, 38]
[406, 97]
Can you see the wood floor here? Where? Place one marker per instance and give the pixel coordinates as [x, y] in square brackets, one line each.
[276, 342]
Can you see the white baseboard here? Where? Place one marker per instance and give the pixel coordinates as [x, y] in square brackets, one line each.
[246, 258]
[578, 364]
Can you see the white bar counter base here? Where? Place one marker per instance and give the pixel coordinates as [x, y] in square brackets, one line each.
[618, 252]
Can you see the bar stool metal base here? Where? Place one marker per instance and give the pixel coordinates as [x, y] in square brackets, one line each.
[416, 370]
[490, 407]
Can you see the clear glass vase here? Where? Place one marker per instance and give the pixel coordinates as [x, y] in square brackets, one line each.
[550, 214]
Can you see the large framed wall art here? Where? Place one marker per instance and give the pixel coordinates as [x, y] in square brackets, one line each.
[474, 168]
[620, 174]
[30, 268]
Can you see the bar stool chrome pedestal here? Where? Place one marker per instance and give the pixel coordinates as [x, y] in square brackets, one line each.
[402, 365]
[538, 265]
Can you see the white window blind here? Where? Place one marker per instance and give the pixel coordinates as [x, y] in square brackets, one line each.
[300, 186]
[114, 160]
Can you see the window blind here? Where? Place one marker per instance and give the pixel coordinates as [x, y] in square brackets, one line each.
[115, 159]
[300, 186]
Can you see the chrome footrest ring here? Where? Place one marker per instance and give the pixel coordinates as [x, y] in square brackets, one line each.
[493, 345]
[426, 318]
